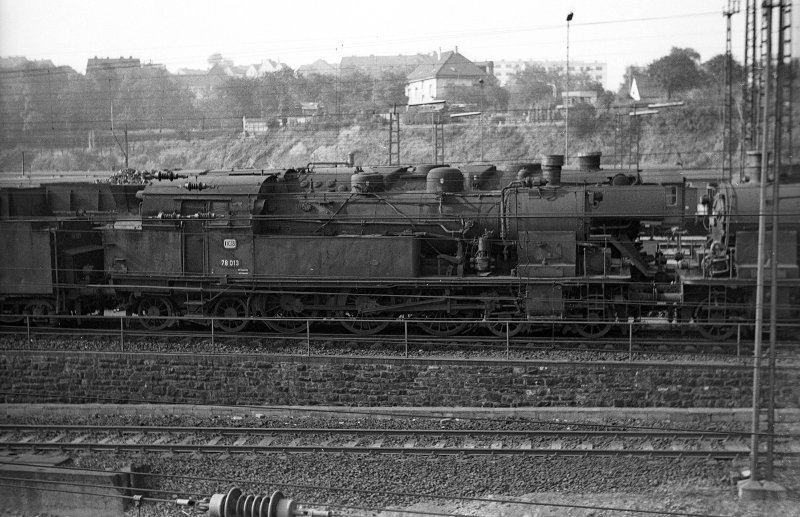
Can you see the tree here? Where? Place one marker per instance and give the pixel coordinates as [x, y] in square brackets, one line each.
[277, 93]
[715, 69]
[583, 119]
[215, 59]
[677, 72]
[534, 87]
[390, 90]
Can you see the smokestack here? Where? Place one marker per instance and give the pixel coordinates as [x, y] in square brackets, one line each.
[551, 168]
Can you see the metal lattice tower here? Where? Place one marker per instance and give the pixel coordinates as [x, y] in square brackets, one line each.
[750, 87]
[394, 137]
[778, 120]
[438, 139]
[727, 137]
[783, 86]
[765, 91]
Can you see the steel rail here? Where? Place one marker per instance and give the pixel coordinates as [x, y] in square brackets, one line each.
[243, 431]
[648, 344]
[406, 450]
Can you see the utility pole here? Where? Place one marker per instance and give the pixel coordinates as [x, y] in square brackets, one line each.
[126, 146]
[762, 203]
[52, 117]
[123, 149]
[783, 127]
[566, 99]
[481, 120]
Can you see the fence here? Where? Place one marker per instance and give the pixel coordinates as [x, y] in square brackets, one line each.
[504, 333]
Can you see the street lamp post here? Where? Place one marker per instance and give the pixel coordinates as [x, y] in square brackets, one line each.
[480, 82]
[566, 99]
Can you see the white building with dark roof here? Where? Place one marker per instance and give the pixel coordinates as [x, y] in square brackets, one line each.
[436, 81]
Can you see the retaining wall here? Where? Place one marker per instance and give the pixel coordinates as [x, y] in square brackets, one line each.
[27, 376]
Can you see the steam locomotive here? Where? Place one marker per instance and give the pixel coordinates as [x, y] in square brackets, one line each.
[440, 246]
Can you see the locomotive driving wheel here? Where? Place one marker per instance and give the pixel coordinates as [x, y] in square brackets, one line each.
[155, 312]
[363, 313]
[498, 328]
[439, 321]
[502, 317]
[711, 317]
[595, 315]
[233, 310]
[288, 311]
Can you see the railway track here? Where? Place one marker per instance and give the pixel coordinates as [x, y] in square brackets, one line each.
[642, 343]
[239, 440]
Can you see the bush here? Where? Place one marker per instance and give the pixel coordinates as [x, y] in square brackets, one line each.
[582, 120]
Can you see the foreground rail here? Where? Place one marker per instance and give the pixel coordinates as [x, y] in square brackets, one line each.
[228, 440]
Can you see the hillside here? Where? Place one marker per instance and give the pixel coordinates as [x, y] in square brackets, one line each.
[689, 137]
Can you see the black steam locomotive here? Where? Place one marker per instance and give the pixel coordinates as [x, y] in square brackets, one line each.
[437, 245]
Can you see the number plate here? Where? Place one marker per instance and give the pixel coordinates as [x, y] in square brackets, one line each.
[230, 262]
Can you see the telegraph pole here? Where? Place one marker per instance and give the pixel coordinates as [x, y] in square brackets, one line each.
[762, 204]
[566, 99]
[481, 121]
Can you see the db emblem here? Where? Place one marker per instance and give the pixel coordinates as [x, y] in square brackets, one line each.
[229, 244]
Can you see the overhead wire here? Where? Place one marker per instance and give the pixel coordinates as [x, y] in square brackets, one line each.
[290, 47]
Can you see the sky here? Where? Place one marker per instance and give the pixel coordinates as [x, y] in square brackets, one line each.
[183, 34]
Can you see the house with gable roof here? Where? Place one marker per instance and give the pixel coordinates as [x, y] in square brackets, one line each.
[320, 66]
[644, 89]
[438, 80]
[267, 66]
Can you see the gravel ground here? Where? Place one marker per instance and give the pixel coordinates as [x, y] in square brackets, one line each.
[378, 423]
[372, 486]
[677, 500]
[450, 349]
[380, 482]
